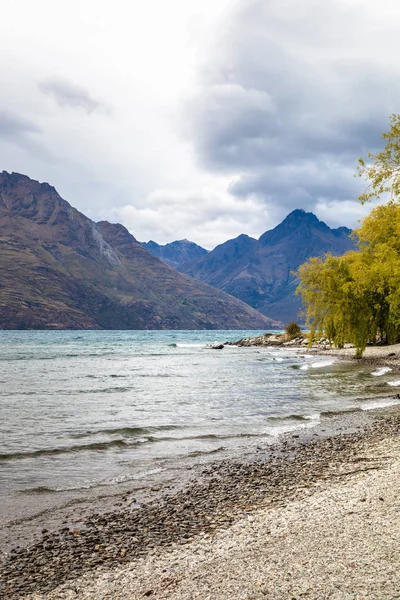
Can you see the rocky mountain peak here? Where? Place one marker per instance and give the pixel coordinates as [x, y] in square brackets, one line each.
[61, 270]
[260, 272]
[176, 254]
[296, 223]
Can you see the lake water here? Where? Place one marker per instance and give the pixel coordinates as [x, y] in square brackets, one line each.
[82, 410]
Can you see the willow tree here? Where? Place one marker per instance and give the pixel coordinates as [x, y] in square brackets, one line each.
[382, 170]
[338, 299]
[355, 298]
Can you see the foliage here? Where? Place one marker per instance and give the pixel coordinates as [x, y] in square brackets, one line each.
[354, 298]
[382, 170]
[292, 330]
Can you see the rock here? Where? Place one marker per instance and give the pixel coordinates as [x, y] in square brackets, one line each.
[216, 346]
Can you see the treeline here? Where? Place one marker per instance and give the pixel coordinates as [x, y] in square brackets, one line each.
[356, 297]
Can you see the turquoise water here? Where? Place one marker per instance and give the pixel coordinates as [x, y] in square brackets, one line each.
[86, 409]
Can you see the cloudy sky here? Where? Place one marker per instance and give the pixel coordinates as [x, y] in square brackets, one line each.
[201, 119]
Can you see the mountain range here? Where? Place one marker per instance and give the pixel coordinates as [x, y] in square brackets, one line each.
[61, 270]
[260, 272]
[178, 254]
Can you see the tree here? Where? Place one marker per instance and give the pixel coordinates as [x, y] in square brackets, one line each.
[382, 170]
[354, 298]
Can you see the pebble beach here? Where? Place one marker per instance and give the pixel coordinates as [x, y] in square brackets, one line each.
[317, 518]
[313, 515]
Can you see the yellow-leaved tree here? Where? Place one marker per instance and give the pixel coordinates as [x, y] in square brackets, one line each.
[355, 297]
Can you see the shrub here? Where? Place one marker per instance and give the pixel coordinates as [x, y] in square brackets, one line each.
[293, 330]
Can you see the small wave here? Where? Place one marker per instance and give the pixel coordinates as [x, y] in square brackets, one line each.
[173, 345]
[204, 452]
[42, 489]
[313, 417]
[394, 383]
[70, 449]
[322, 363]
[293, 417]
[190, 345]
[156, 375]
[317, 365]
[206, 436]
[108, 481]
[373, 404]
[307, 423]
[381, 371]
[341, 411]
[126, 431]
[109, 390]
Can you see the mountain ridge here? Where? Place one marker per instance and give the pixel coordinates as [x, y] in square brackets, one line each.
[59, 270]
[259, 271]
[177, 254]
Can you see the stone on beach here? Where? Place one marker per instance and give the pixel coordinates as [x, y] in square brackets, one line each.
[304, 506]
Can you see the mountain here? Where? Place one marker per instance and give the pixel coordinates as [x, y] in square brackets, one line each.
[259, 271]
[60, 270]
[176, 254]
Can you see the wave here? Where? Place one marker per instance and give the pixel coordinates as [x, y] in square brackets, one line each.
[190, 345]
[68, 449]
[381, 371]
[394, 383]
[41, 489]
[204, 452]
[127, 431]
[318, 365]
[139, 436]
[342, 411]
[123, 478]
[373, 404]
[294, 417]
[109, 390]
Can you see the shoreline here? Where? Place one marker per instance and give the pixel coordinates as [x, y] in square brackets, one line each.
[212, 501]
[24, 516]
[385, 355]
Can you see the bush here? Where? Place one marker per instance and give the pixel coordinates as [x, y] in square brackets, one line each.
[293, 330]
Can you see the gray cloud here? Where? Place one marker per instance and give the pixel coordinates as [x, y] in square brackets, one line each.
[70, 95]
[14, 126]
[294, 96]
[298, 185]
[24, 134]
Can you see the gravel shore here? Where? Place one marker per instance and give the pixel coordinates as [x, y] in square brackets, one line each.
[318, 519]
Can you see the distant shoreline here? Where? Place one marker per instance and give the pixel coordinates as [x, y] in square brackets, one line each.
[375, 355]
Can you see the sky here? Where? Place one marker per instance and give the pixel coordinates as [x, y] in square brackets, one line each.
[199, 119]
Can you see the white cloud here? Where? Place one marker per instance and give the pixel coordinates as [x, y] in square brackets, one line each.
[211, 217]
[225, 115]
